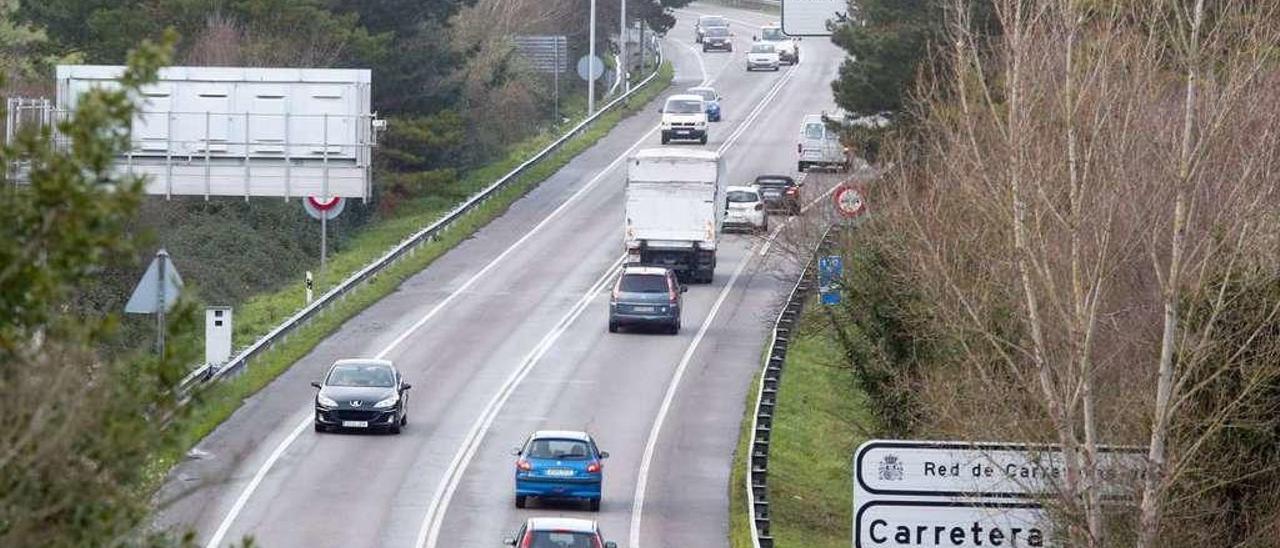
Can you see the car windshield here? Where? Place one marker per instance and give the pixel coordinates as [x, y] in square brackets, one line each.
[379, 376]
[718, 32]
[707, 95]
[743, 197]
[762, 48]
[682, 106]
[772, 35]
[813, 131]
[560, 539]
[642, 283]
[714, 21]
[558, 449]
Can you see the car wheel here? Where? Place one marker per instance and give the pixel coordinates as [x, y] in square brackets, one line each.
[394, 429]
[801, 167]
[703, 140]
[404, 421]
[665, 139]
[521, 501]
[594, 504]
[613, 327]
[321, 428]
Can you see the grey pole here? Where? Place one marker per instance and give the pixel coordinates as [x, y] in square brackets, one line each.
[324, 239]
[591, 59]
[162, 260]
[625, 70]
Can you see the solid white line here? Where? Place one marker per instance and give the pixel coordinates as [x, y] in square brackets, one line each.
[637, 505]
[765, 250]
[429, 531]
[253, 484]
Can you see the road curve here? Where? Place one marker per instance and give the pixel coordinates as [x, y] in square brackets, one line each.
[501, 339]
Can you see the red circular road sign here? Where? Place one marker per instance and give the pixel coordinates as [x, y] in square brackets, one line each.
[329, 209]
[850, 201]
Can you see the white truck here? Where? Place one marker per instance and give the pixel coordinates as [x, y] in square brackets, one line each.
[673, 210]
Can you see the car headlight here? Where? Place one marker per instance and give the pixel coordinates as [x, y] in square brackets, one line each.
[325, 401]
[390, 401]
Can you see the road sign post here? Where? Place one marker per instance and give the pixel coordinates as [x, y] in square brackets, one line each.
[156, 293]
[324, 209]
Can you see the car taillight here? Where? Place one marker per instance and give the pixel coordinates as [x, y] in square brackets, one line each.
[594, 468]
[799, 148]
[528, 540]
[791, 190]
[617, 288]
[759, 206]
[524, 465]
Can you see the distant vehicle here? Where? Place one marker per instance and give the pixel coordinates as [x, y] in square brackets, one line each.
[763, 55]
[646, 295]
[559, 533]
[684, 117]
[673, 212]
[780, 193]
[559, 464]
[744, 210]
[708, 22]
[717, 38]
[364, 394]
[820, 146]
[788, 48]
[710, 100]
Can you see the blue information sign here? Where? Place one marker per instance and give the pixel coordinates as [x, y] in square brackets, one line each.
[830, 270]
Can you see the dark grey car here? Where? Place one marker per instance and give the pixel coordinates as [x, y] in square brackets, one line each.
[363, 394]
[780, 193]
[646, 295]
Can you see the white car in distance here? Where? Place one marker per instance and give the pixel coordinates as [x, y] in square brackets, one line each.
[762, 55]
[744, 210]
[788, 48]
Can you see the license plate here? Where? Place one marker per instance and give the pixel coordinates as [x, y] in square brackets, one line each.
[560, 472]
[643, 308]
[355, 424]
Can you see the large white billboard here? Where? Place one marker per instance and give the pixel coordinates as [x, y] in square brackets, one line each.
[811, 17]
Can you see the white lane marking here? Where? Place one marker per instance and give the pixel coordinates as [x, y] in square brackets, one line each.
[266, 466]
[253, 484]
[637, 505]
[765, 250]
[429, 531]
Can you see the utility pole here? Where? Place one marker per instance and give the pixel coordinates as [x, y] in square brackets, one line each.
[162, 260]
[624, 71]
[591, 60]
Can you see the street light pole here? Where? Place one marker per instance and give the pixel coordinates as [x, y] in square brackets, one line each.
[625, 70]
[591, 60]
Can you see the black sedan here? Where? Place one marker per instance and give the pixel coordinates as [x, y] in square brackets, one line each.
[780, 193]
[362, 394]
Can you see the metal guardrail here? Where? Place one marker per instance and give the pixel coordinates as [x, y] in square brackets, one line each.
[757, 461]
[207, 373]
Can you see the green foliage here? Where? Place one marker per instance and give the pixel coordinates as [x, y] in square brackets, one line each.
[885, 52]
[821, 417]
[79, 428]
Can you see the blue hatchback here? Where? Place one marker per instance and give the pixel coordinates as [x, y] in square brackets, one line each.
[711, 101]
[559, 464]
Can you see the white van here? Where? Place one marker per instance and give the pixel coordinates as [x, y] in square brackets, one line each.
[819, 146]
[684, 117]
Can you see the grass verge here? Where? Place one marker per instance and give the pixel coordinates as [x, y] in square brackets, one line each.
[217, 403]
[821, 418]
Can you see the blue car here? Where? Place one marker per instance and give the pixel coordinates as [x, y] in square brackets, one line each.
[561, 465]
[709, 98]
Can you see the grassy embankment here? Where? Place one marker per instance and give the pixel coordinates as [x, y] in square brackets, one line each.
[261, 313]
[820, 419]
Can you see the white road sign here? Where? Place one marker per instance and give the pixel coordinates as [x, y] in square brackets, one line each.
[945, 469]
[891, 524]
[956, 493]
[811, 17]
[160, 282]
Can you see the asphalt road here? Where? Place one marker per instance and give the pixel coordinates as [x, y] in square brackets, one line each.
[506, 334]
